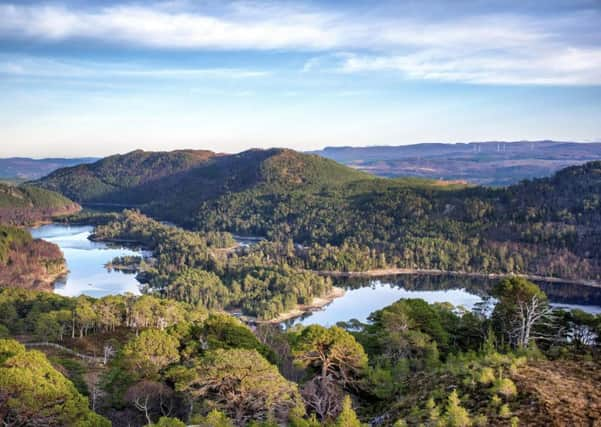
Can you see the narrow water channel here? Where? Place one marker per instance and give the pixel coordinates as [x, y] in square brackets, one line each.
[86, 261]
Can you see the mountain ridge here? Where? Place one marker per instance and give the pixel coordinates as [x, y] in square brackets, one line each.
[139, 177]
[494, 163]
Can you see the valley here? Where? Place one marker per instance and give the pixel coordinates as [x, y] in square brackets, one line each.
[224, 265]
[308, 213]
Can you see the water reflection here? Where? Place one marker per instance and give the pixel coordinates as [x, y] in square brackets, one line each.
[365, 296]
[86, 262]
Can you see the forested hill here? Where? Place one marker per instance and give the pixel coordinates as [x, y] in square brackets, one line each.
[25, 204]
[176, 182]
[548, 226]
[109, 179]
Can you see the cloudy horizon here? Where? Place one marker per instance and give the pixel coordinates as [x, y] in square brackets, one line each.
[93, 78]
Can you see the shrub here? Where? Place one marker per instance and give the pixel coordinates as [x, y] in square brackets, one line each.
[504, 411]
[480, 421]
[487, 376]
[506, 388]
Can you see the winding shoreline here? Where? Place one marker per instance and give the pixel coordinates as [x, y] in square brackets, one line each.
[435, 272]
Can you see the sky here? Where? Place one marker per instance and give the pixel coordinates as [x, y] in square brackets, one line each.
[92, 78]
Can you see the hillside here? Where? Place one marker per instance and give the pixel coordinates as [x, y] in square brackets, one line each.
[173, 184]
[25, 204]
[561, 393]
[487, 163]
[24, 168]
[547, 227]
[109, 179]
[26, 262]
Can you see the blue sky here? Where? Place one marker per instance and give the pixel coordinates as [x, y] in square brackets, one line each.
[100, 77]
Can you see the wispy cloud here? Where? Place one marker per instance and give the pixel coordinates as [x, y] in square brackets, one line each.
[561, 66]
[496, 47]
[242, 28]
[49, 68]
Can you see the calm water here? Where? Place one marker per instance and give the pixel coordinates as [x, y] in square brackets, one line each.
[86, 262]
[366, 296]
[361, 302]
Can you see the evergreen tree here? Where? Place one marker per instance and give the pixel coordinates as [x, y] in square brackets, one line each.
[455, 414]
[347, 417]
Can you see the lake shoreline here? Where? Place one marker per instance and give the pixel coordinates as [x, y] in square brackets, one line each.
[48, 283]
[85, 269]
[317, 304]
[417, 271]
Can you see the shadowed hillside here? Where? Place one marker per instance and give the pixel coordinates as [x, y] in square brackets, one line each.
[108, 179]
[173, 184]
[546, 227]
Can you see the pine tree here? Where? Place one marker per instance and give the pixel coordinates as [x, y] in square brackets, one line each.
[347, 417]
[456, 415]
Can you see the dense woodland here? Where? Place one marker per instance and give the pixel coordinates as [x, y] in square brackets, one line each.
[166, 363]
[548, 227]
[209, 269]
[175, 357]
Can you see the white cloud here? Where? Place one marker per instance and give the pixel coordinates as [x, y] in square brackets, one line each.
[145, 26]
[495, 48]
[560, 66]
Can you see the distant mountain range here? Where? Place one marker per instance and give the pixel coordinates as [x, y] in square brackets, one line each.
[24, 169]
[493, 163]
[488, 163]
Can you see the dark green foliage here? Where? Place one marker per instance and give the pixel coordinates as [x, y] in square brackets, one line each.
[74, 371]
[224, 331]
[27, 196]
[521, 307]
[24, 312]
[205, 269]
[197, 286]
[545, 227]
[168, 422]
[102, 180]
[392, 223]
[241, 383]
[150, 352]
[414, 362]
[11, 237]
[417, 333]
[34, 393]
